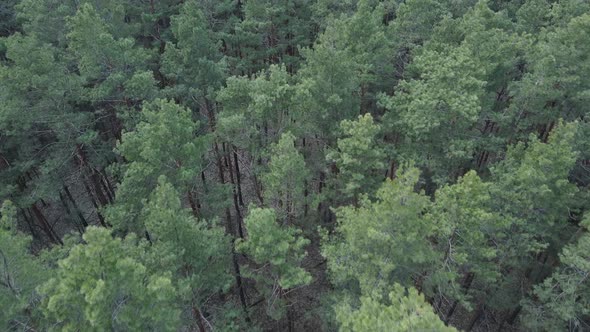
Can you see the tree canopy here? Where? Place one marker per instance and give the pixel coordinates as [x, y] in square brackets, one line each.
[301, 165]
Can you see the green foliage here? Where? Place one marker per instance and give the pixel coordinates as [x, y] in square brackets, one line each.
[47, 19]
[284, 184]
[348, 62]
[435, 110]
[562, 301]
[405, 310]
[533, 15]
[8, 18]
[273, 31]
[103, 284]
[285, 103]
[384, 241]
[280, 246]
[415, 23]
[532, 186]
[554, 87]
[280, 250]
[444, 90]
[36, 90]
[531, 190]
[263, 104]
[193, 62]
[20, 274]
[196, 250]
[165, 142]
[468, 233]
[358, 158]
[111, 66]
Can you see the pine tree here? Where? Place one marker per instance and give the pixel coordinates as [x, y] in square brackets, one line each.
[433, 112]
[468, 234]
[193, 63]
[272, 32]
[278, 248]
[348, 64]
[196, 250]
[114, 70]
[404, 310]
[43, 132]
[263, 103]
[562, 301]
[104, 284]
[359, 159]
[284, 182]
[20, 274]
[531, 190]
[553, 87]
[165, 142]
[384, 241]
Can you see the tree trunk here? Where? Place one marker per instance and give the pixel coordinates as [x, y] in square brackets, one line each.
[514, 314]
[227, 158]
[78, 211]
[290, 320]
[239, 283]
[238, 178]
[230, 230]
[305, 195]
[69, 212]
[30, 224]
[476, 317]
[107, 186]
[258, 189]
[205, 188]
[198, 316]
[64, 203]
[92, 199]
[98, 186]
[45, 225]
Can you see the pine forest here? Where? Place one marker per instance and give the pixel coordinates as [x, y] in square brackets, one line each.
[294, 165]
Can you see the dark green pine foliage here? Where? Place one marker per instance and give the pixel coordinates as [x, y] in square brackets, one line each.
[278, 250]
[562, 300]
[196, 250]
[20, 274]
[165, 142]
[193, 63]
[442, 146]
[273, 32]
[105, 284]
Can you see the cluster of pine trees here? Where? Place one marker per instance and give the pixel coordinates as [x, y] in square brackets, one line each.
[354, 165]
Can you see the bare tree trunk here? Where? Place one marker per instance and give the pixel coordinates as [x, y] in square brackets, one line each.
[238, 178]
[109, 190]
[198, 316]
[69, 212]
[97, 184]
[476, 317]
[45, 225]
[305, 195]
[290, 320]
[78, 211]
[204, 181]
[227, 158]
[29, 221]
[92, 199]
[258, 189]
[230, 230]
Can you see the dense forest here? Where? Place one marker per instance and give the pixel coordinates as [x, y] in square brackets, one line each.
[294, 165]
